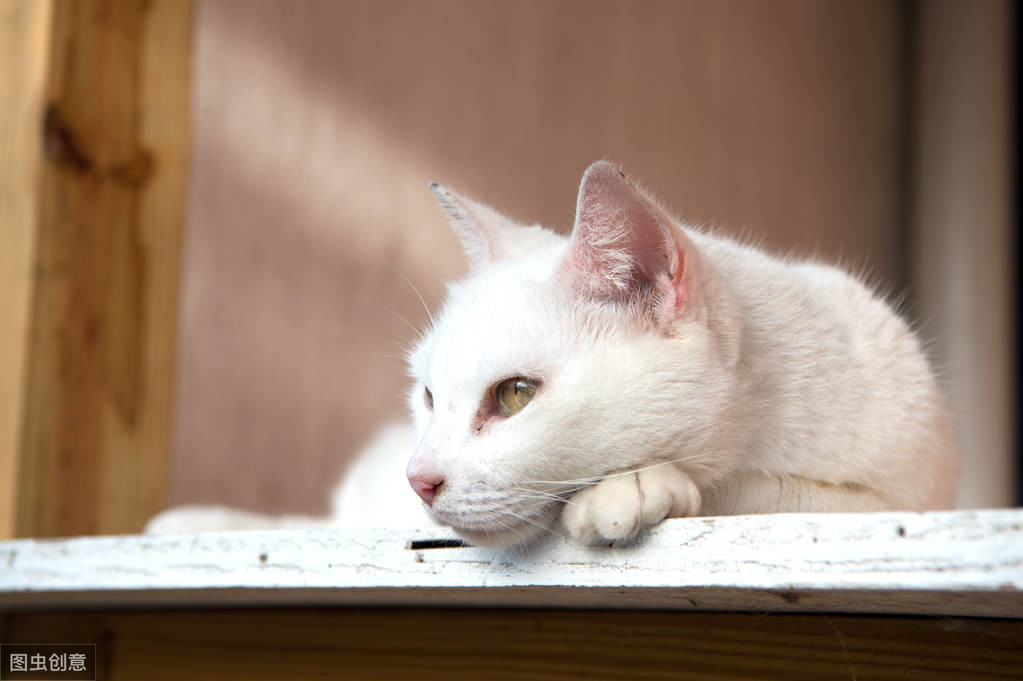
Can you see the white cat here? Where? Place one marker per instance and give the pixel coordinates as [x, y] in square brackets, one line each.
[641, 369]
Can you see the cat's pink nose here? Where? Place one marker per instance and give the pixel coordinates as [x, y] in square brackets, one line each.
[425, 485]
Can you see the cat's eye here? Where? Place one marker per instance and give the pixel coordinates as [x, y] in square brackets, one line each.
[428, 398]
[514, 394]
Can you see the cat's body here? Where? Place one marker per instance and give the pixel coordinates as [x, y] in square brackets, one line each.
[640, 369]
[732, 381]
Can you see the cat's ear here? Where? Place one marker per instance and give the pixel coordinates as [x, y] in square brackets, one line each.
[624, 248]
[485, 234]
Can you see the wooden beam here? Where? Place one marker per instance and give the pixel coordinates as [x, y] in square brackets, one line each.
[940, 563]
[95, 432]
[526, 644]
[24, 41]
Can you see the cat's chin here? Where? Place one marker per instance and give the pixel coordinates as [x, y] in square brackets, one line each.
[500, 538]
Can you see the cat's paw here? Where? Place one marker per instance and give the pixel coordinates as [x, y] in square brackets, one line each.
[619, 507]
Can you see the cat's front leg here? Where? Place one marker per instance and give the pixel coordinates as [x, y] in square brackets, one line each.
[620, 506]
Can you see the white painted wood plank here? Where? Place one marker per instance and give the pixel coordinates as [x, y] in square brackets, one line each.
[947, 563]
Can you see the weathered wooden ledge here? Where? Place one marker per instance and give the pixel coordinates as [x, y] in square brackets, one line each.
[941, 563]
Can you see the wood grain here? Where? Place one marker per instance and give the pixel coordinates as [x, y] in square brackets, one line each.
[528, 644]
[24, 44]
[939, 563]
[100, 374]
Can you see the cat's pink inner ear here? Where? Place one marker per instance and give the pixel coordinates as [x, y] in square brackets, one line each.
[484, 232]
[623, 245]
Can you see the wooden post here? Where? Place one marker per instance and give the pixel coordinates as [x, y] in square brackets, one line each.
[24, 36]
[92, 450]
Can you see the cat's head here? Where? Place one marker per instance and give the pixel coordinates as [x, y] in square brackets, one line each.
[557, 361]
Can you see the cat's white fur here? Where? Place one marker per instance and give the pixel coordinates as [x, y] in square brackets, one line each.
[680, 373]
[374, 493]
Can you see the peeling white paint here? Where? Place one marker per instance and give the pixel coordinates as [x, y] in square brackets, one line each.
[948, 563]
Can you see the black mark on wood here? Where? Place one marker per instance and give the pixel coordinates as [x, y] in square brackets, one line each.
[135, 172]
[421, 544]
[60, 144]
[788, 596]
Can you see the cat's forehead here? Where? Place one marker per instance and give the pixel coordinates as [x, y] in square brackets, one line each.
[504, 317]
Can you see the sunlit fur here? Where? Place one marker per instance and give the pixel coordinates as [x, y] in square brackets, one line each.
[710, 379]
[793, 388]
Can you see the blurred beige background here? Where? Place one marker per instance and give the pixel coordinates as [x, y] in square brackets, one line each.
[318, 124]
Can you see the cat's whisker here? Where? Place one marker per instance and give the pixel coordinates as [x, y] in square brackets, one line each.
[542, 526]
[531, 494]
[527, 494]
[543, 501]
[533, 490]
[414, 290]
[553, 496]
[397, 315]
[582, 482]
[534, 504]
[511, 528]
[659, 464]
[519, 530]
